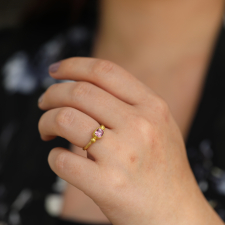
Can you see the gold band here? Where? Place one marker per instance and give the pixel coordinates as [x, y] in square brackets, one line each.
[97, 134]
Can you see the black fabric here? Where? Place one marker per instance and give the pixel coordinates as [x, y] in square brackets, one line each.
[59, 221]
[206, 141]
[209, 119]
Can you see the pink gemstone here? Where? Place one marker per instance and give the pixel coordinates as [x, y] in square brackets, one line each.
[99, 132]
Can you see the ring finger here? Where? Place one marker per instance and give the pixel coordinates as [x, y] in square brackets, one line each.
[76, 127]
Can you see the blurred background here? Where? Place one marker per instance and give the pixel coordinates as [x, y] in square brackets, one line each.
[34, 34]
[11, 11]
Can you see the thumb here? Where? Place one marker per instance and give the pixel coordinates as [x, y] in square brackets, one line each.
[77, 170]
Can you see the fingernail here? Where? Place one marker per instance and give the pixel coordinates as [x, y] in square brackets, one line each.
[40, 98]
[54, 67]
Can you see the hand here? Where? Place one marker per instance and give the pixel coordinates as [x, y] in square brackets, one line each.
[138, 172]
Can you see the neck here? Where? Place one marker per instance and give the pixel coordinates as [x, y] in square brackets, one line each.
[167, 44]
[157, 34]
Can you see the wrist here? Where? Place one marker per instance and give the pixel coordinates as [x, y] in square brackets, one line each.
[190, 207]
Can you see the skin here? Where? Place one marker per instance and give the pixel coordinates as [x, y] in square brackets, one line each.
[165, 44]
[140, 161]
[173, 64]
[168, 48]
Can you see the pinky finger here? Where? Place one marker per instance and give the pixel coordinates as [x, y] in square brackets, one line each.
[77, 170]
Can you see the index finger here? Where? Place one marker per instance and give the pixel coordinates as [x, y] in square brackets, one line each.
[104, 74]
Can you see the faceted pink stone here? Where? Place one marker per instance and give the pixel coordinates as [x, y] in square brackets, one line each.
[99, 132]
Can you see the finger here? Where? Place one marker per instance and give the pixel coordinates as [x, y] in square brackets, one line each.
[104, 74]
[77, 128]
[77, 170]
[88, 98]
[80, 151]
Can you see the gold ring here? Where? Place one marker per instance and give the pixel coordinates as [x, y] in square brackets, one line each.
[97, 134]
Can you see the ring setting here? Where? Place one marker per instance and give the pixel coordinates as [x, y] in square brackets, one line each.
[97, 134]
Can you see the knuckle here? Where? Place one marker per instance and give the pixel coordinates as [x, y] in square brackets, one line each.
[102, 67]
[64, 118]
[162, 108]
[81, 89]
[142, 124]
[142, 128]
[60, 161]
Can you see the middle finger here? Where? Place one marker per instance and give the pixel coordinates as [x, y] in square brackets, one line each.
[88, 98]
